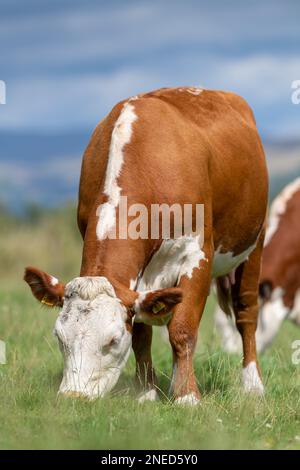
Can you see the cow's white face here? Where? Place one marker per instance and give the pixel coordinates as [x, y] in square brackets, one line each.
[93, 327]
[92, 335]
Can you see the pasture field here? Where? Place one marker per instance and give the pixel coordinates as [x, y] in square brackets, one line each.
[32, 417]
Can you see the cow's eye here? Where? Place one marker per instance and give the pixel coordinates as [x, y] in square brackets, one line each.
[110, 344]
[114, 342]
[69, 296]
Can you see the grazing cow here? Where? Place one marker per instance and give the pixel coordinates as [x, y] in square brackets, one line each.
[170, 146]
[280, 277]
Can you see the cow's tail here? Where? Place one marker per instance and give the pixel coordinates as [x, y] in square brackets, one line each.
[224, 296]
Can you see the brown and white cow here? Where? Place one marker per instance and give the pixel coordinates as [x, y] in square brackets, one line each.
[170, 146]
[280, 277]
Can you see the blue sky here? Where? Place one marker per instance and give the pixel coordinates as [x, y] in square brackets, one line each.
[67, 62]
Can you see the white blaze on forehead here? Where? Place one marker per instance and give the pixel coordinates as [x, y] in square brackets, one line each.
[121, 136]
[224, 263]
[251, 379]
[174, 259]
[278, 208]
[88, 287]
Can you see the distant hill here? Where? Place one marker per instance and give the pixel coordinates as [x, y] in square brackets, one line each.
[43, 170]
[40, 169]
[284, 164]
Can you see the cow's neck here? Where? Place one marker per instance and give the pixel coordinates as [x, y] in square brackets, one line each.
[120, 261]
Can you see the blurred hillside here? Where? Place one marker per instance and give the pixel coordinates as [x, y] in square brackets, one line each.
[39, 169]
[284, 164]
[38, 225]
[48, 239]
[38, 192]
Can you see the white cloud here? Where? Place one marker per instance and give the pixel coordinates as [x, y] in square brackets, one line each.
[21, 183]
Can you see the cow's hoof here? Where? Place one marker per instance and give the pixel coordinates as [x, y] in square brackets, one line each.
[251, 380]
[150, 395]
[187, 400]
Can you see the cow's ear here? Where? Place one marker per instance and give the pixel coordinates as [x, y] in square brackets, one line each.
[47, 289]
[160, 301]
[265, 290]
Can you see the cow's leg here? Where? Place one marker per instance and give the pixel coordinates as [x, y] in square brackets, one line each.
[183, 332]
[245, 305]
[145, 374]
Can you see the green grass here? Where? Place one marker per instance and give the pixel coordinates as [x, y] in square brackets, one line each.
[32, 416]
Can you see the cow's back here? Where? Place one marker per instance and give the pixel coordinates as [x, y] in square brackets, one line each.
[187, 145]
[201, 146]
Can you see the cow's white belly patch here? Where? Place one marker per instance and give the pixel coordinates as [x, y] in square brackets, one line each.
[224, 263]
[174, 259]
